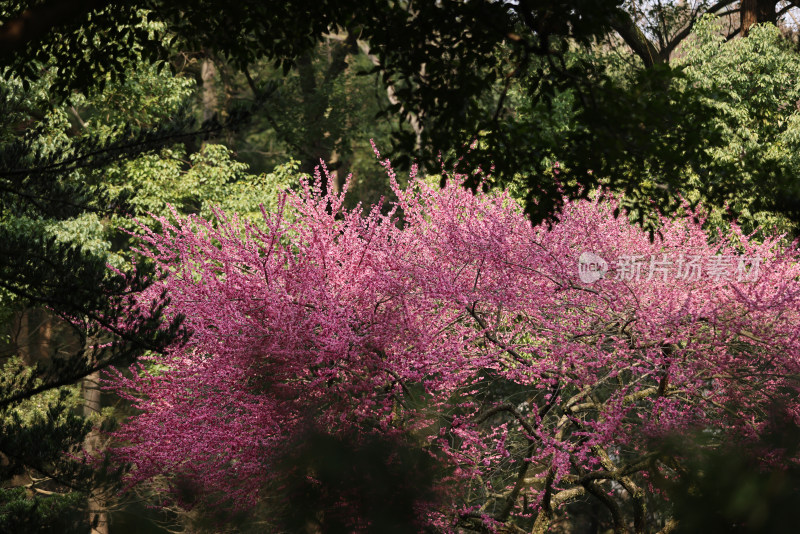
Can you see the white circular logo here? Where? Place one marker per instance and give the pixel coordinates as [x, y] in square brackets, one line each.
[591, 267]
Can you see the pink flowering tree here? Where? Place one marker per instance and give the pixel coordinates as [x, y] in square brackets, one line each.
[538, 366]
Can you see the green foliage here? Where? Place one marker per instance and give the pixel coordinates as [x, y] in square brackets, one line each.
[718, 127]
[95, 44]
[635, 131]
[454, 67]
[148, 95]
[729, 489]
[439, 58]
[57, 236]
[375, 479]
[72, 171]
[195, 183]
[753, 85]
[96, 48]
[38, 431]
[56, 514]
[328, 108]
[247, 196]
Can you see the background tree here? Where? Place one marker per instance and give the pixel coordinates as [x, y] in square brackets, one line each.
[74, 171]
[450, 65]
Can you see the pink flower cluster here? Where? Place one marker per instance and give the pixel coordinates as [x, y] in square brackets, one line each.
[453, 319]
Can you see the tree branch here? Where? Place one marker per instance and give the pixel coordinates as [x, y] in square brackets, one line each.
[684, 33]
[635, 38]
[616, 513]
[491, 337]
[513, 411]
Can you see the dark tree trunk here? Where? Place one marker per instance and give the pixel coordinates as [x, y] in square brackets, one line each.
[316, 142]
[320, 143]
[208, 75]
[98, 515]
[755, 12]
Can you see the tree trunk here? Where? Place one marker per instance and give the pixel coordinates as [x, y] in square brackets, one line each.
[208, 75]
[414, 119]
[22, 338]
[44, 343]
[635, 38]
[33, 335]
[755, 12]
[319, 142]
[98, 516]
[315, 141]
[542, 523]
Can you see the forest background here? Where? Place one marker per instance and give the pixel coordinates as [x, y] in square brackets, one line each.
[113, 110]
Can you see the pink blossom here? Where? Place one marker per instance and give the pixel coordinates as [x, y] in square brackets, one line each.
[462, 324]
